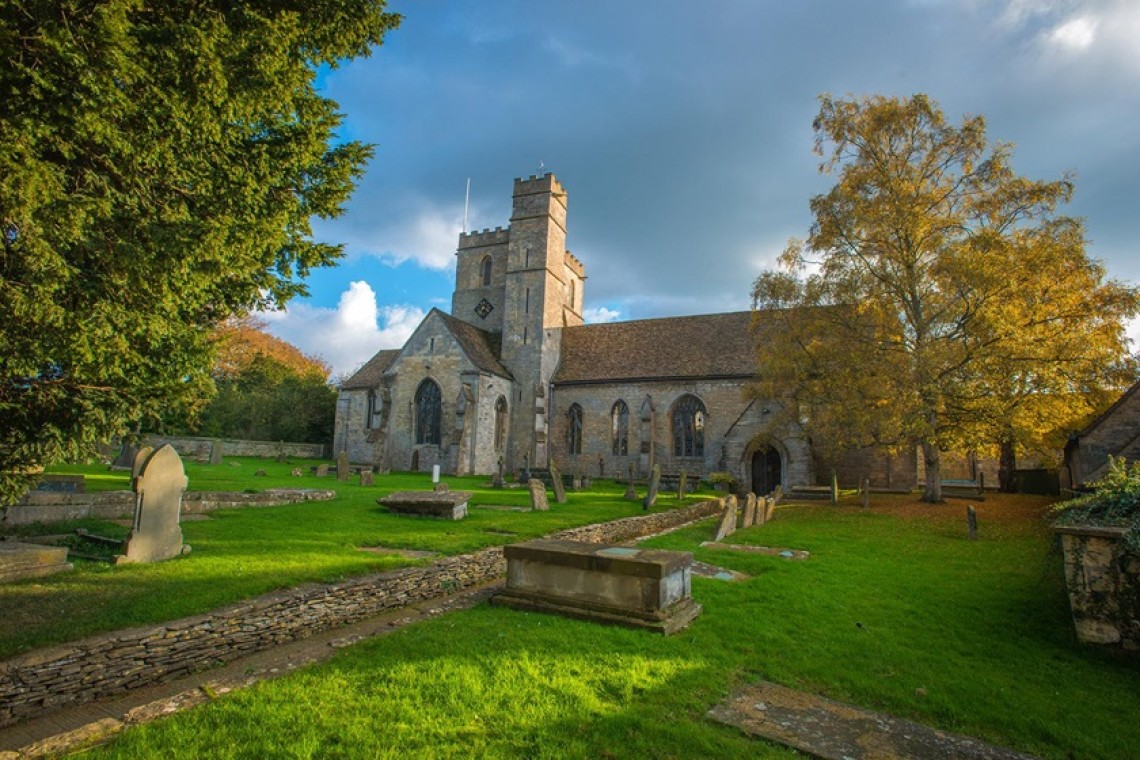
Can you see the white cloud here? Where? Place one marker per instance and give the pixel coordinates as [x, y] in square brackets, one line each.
[1132, 328]
[415, 231]
[599, 314]
[348, 335]
[1074, 35]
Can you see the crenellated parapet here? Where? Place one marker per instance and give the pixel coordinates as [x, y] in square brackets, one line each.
[484, 238]
[575, 266]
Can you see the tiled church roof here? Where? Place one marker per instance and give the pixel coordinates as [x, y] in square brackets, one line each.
[481, 347]
[708, 345]
[369, 375]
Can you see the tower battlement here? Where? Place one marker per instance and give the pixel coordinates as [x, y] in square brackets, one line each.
[576, 266]
[539, 183]
[482, 238]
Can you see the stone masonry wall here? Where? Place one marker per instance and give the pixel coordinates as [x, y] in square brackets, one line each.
[45, 507]
[1103, 579]
[108, 664]
[195, 447]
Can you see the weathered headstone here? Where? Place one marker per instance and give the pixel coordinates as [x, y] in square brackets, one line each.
[576, 482]
[866, 493]
[322, 470]
[157, 534]
[215, 451]
[682, 485]
[280, 452]
[297, 472]
[140, 459]
[342, 466]
[769, 509]
[749, 511]
[260, 474]
[497, 480]
[654, 484]
[631, 490]
[727, 523]
[556, 481]
[366, 477]
[126, 458]
[435, 473]
[537, 495]
[972, 523]
[441, 488]
[834, 488]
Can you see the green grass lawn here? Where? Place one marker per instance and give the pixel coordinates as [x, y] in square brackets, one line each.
[895, 610]
[241, 553]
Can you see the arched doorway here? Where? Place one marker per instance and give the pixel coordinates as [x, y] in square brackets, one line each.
[766, 472]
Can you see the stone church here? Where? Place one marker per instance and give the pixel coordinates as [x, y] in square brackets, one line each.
[513, 377]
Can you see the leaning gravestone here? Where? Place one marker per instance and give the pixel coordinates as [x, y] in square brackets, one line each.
[342, 466]
[215, 452]
[126, 458]
[140, 459]
[559, 486]
[727, 524]
[769, 509]
[654, 484]
[538, 495]
[322, 470]
[156, 534]
[749, 511]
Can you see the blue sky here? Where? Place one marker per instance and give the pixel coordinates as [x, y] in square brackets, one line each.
[683, 136]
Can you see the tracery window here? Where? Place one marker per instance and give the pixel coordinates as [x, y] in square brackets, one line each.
[574, 429]
[689, 427]
[485, 271]
[500, 423]
[619, 417]
[429, 412]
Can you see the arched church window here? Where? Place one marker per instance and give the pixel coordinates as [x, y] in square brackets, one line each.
[689, 427]
[500, 423]
[485, 271]
[619, 417]
[574, 430]
[429, 412]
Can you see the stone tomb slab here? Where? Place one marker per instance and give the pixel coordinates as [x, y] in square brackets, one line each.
[619, 585]
[20, 560]
[832, 730]
[439, 505]
[770, 551]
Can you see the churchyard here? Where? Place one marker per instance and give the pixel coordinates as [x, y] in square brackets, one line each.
[893, 608]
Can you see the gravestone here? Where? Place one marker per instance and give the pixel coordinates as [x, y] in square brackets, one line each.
[631, 490]
[682, 485]
[322, 470]
[761, 515]
[126, 458]
[440, 505]
[215, 451]
[140, 459]
[260, 474]
[576, 482]
[972, 523]
[559, 486]
[297, 472]
[537, 495]
[497, 481]
[440, 488]
[342, 466]
[435, 473]
[366, 477]
[749, 511]
[866, 493]
[769, 509]
[834, 488]
[654, 484]
[727, 524]
[157, 534]
[280, 458]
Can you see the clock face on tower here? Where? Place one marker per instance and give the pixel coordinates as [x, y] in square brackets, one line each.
[484, 308]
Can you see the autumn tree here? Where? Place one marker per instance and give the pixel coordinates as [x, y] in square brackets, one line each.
[159, 165]
[265, 389]
[939, 297]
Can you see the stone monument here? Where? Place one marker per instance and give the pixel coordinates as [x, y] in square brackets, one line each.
[157, 534]
[727, 524]
[654, 484]
[556, 481]
[538, 495]
[342, 466]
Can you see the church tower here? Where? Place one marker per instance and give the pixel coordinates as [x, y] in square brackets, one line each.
[523, 284]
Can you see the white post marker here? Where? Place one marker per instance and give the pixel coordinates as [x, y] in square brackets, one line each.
[435, 473]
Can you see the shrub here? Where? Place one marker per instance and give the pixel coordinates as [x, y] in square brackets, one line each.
[1114, 501]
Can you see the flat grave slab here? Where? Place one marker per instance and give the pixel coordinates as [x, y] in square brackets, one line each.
[439, 505]
[771, 551]
[407, 553]
[620, 585]
[20, 560]
[705, 570]
[832, 730]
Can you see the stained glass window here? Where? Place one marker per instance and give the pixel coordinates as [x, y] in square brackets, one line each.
[429, 410]
[619, 416]
[574, 429]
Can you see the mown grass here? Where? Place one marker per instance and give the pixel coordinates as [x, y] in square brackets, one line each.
[241, 553]
[895, 610]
